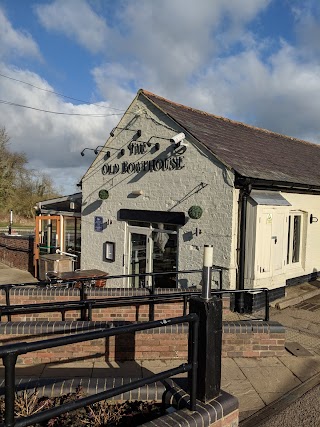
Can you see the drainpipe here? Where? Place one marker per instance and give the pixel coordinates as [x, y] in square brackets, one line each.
[244, 194]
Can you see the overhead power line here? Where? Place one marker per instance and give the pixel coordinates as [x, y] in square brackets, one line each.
[60, 94]
[58, 112]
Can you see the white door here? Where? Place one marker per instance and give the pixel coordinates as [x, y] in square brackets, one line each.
[271, 242]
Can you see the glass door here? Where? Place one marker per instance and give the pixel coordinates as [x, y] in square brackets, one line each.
[139, 257]
[164, 258]
[152, 249]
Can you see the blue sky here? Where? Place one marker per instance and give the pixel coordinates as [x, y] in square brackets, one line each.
[256, 61]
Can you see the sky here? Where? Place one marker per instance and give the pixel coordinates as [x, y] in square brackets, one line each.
[255, 61]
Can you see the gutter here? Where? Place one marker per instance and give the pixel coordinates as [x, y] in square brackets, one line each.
[275, 185]
[244, 194]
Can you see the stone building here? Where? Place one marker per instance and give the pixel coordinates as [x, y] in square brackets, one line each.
[171, 178]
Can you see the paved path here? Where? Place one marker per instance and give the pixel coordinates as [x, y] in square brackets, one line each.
[304, 412]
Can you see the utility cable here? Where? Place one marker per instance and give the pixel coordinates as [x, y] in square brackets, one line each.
[57, 112]
[60, 94]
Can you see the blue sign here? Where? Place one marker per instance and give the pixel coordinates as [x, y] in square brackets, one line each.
[98, 223]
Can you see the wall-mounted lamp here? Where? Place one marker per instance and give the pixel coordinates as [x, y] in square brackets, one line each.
[313, 219]
[122, 152]
[138, 132]
[198, 232]
[97, 151]
[82, 152]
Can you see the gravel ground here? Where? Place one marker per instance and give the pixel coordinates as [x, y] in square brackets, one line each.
[304, 412]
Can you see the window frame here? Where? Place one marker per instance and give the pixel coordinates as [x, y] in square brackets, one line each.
[290, 239]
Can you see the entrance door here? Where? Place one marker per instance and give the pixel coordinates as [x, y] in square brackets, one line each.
[272, 242]
[139, 257]
[152, 249]
[47, 237]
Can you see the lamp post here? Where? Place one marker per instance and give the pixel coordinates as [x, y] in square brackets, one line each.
[209, 309]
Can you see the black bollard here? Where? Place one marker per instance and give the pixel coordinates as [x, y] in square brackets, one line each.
[209, 310]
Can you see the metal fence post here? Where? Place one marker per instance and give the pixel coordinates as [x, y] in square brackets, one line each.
[209, 310]
[9, 361]
[151, 305]
[7, 292]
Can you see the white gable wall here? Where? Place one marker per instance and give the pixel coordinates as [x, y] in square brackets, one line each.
[163, 190]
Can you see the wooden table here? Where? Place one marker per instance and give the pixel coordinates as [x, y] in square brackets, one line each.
[98, 276]
[82, 274]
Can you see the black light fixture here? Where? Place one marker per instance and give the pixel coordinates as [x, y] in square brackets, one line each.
[122, 152]
[82, 152]
[138, 132]
[313, 219]
[97, 151]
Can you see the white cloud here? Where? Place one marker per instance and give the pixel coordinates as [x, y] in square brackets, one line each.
[15, 42]
[52, 143]
[75, 19]
[197, 53]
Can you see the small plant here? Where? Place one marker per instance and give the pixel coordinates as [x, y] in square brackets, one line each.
[104, 412]
[28, 403]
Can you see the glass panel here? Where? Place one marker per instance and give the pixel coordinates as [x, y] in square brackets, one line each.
[138, 260]
[48, 238]
[289, 236]
[164, 258]
[72, 237]
[139, 223]
[69, 234]
[160, 226]
[296, 238]
[78, 235]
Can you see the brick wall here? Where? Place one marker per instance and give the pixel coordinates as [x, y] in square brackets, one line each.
[240, 339]
[27, 296]
[17, 251]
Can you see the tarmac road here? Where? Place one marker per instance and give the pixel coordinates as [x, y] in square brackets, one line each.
[304, 412]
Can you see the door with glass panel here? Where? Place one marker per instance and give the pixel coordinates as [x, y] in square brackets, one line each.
[139, 257]
[152, 248]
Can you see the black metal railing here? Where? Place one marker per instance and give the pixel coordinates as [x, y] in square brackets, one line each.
[83, 283]
[9, 354]
[87, 305]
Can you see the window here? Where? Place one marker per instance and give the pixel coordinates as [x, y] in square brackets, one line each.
[294, 238]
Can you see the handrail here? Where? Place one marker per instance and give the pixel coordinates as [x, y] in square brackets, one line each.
[86, 306]
[83, 281]
[9, 354]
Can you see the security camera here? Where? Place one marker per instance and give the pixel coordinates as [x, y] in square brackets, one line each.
[178, 138]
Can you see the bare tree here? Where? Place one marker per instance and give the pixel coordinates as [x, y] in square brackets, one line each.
[20, 187]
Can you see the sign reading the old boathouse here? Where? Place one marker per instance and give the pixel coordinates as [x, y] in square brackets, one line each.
[172, 163]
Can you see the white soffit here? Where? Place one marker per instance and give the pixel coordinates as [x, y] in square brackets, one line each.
[269, 198]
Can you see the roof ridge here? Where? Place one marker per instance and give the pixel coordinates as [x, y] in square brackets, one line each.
[225, 119]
